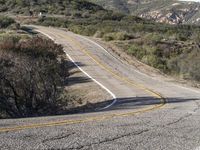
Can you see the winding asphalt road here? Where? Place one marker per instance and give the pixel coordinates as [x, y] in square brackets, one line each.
[143, 112]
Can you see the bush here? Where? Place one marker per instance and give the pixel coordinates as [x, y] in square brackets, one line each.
[186, 64]
[137, 51]
[51, 21]
[196, 36]
[193, 70]
[183, 36]
[172, 64]
[117, 36]
[153, 37]
[98, 34]
[108, 37]
[6, 21]
[122, 36]
[31, 77]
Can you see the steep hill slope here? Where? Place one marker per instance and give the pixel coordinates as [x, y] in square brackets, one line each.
[168, 11]
[64, 7]
[171, 49]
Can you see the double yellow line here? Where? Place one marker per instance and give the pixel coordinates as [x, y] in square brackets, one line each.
[100, 117]
[114, 74]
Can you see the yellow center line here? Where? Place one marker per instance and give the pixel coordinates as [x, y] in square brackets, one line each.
[68, 122]
[100, 117]
[116, 75]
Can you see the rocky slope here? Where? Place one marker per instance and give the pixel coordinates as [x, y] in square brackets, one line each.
[167, 11]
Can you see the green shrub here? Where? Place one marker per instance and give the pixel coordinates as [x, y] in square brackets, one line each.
[153, 37]
[117, 36]
[31, 77]
[51, 21]
[98, 34]
[173, 65]
[122, 36]
[193, 69]
[137, 51]
[182, 36]
[108, 37]
[6, 21]
[196, 36]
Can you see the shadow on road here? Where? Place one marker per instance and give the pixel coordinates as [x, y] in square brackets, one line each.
[124, 103]
[127, 103]
[71, 80]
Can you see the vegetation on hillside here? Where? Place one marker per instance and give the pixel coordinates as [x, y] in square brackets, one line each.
[33, 73]
[6, 22]
[135, 6]
[29, 88]
[61, 7]
[31, 76]
[166, 47]
[168, 11]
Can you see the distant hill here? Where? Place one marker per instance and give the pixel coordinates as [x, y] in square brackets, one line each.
[173, 49]
[168, 11]
[62, 7]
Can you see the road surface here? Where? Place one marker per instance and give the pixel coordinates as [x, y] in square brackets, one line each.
[144, 112]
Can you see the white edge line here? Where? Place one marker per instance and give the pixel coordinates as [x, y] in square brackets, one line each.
[107, 52]
[183, 87]
[101, 85]
[97, 82]
[97, 45]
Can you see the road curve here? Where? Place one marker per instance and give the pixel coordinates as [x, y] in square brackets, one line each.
[136, 116]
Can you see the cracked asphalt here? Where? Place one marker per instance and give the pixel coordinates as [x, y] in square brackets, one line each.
[174, 126]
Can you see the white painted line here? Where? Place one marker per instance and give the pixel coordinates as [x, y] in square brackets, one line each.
[101, 85]
[47, 35]
[97, 82]
[96, 45]
[108, 52]
[183, 87]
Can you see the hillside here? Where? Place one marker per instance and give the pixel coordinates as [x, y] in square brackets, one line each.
[65, 7]
[167, 11]
[172, 49]
[163, 46]
[36, 78]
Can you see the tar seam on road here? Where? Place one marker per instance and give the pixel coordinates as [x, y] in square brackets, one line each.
[100, 117]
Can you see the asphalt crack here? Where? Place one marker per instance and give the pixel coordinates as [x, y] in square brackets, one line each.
[198, 106]
[110, 139]
[178, 120]
[185, 116]
[59, 137]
